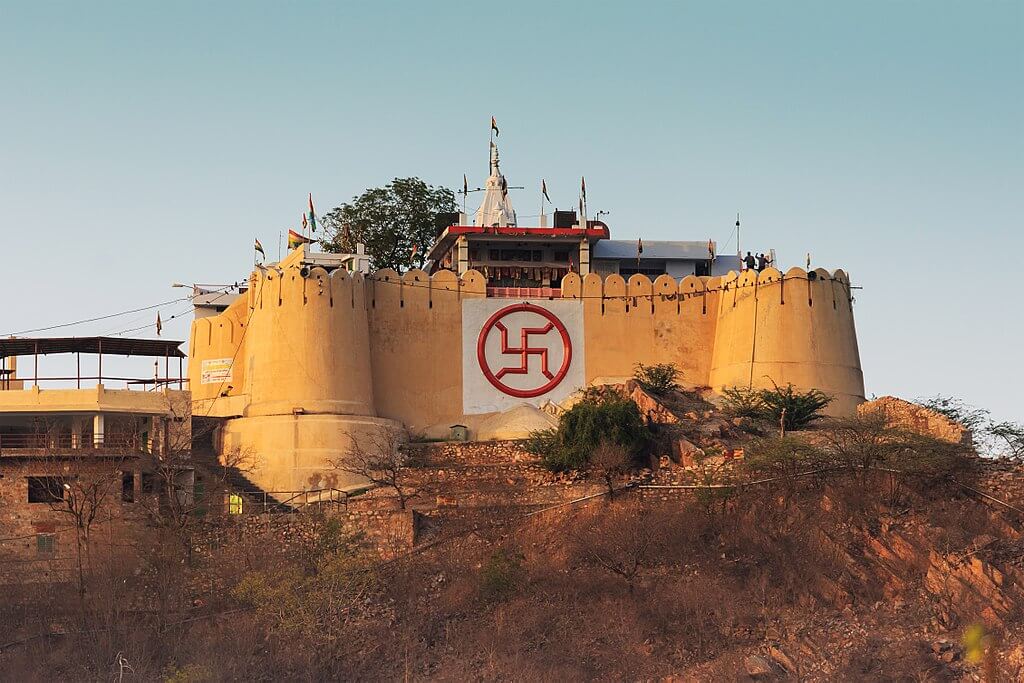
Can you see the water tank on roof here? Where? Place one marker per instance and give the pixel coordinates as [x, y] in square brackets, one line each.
[565, 219]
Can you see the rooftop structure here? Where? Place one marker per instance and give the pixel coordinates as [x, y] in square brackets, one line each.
[519, 260]
[70, 417]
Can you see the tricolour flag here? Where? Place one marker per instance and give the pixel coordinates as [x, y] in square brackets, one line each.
[312, 213]
[295, 240]
[544, 189]
[259, 248]
[494, 125]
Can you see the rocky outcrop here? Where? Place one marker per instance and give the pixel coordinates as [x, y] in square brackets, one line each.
[917, 419]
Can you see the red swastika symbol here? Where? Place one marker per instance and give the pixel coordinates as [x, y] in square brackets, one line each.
[524, 350]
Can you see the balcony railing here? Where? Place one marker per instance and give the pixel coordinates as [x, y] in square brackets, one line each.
[525, 292]
[15, 444]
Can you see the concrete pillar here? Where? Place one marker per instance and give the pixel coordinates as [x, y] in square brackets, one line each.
[584, 257]
[463, 251]
[76, 432]
[97, 430]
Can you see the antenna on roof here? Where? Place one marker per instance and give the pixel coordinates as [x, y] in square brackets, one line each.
[739, 251]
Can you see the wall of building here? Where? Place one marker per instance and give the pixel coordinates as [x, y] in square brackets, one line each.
[328, 354]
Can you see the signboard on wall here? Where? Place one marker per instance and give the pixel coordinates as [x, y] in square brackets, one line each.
[215, 371]
[516, 352]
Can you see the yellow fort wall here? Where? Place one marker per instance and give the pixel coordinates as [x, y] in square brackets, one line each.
[791, 328]
[320, 358]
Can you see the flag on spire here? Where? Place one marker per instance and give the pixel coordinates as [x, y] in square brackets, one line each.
[159, 325]
[494, 126]
[544, 189]
[312, 213]
[583, 187]
[504, 187]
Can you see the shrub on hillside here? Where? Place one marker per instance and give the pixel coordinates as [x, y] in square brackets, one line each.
[659, 379]
[784, 407]
[501, 575]
[602, 415]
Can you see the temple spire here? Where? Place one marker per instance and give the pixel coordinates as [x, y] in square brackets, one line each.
[496, 208]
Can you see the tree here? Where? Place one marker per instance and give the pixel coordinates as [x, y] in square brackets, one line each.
[622, 539]
[602, 415]
[379, 460]
[390, 221]
[608, 461]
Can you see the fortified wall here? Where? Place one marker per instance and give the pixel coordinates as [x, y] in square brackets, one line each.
[308, 360]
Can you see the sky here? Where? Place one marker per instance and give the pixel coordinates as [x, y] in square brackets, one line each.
[148, 143]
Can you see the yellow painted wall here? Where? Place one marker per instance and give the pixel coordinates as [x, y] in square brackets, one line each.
[316, 345]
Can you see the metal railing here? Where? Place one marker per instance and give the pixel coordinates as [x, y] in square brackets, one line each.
[70, 442]
[525, 292]
[261, 502]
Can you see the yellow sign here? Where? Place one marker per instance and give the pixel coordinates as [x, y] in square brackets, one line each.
[216, 370]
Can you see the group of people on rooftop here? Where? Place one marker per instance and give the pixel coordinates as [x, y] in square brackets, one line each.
[758, 263]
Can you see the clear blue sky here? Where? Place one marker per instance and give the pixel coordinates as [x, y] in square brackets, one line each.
[145, 143]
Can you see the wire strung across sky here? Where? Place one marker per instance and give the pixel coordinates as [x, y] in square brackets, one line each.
[118, 314]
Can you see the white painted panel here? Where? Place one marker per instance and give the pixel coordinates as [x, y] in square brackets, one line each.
[552, 355]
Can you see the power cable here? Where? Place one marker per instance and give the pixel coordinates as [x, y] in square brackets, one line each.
[118, 314]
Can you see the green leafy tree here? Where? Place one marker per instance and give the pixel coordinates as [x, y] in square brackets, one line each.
[390, 221]
[602, 416]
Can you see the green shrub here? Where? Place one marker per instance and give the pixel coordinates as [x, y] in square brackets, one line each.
[784, 407]
[743, 402]
[602, 415]
[501, 575]
[659, 379]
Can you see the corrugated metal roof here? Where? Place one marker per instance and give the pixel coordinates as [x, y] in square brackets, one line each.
[668, 250]
[116, 346]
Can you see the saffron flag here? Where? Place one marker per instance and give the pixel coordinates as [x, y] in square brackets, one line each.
[544, 189]
[159, 325]
[259, 248]
[494, 126]
[295, 240]
[312, 213]
[415, 250]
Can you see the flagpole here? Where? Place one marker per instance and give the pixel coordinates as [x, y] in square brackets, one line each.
[278, 246]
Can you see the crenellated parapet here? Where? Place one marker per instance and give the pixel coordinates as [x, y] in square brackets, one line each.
[309, 359]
